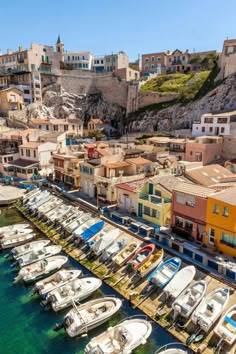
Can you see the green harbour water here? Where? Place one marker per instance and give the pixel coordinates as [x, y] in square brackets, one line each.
[26, 328]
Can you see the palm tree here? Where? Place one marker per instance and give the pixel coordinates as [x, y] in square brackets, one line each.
[97, 134]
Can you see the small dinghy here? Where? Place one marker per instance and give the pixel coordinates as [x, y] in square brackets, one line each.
[40, 269]
[76, 290]
[37, 255]
[174, 348]
[40, 198]
[28, 195]
[81, 319]
[210, 308]
[104, 241]
[45, 208]
[28, 247]
[123, 338]
[123, 256]
[150, 264]
[164, 272]
[186, 302]
[114, 249]
[13, 241]
[226, 327]
[180, 281]
[141, 256]
[59, 212]
[75, 214]
[12, 228]
[54, 281]
[92, 229]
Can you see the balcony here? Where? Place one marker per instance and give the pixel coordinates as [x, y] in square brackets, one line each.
[153, 198]
[177, 149]
[176, 62]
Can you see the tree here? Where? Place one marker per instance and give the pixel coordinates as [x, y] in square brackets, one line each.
[97, 134]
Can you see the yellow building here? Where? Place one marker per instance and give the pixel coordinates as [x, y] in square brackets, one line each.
[11, 99]
[221, 221]
[154, 204]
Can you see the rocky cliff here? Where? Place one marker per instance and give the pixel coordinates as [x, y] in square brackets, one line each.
[179, 116]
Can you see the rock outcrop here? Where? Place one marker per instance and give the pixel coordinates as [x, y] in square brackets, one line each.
[180, 116]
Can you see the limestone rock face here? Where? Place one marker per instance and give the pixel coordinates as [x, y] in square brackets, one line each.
[179, 116]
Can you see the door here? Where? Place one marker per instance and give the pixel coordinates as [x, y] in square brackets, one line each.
[217, 130]
[127, 202]
[140, 209]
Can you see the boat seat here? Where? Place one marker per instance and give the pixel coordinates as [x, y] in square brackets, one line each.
[167, 272]
[140, 258]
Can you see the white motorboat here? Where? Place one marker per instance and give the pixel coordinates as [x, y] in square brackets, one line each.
[186, 302]
[48, 206]
[174, 348]
[124, 255]
[226, 327]
[37, 255]
[80, 219]
[12, 228]
[29, 195]
[82, 318]
[41, 269]
[180, 281]
[15, 233]
[76, 290]
[41, 202]
[54, 281]
[37, 198]
[13, 241]
[112, 250]
[28, 247]
[104, 241]
[59, 212]
[122, 338]
[210, 308]
[85, 222]
[75, 213]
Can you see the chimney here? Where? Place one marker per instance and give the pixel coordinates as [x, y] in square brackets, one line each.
[9, 51]
[167, 52]
[21, 48]
[186, 51]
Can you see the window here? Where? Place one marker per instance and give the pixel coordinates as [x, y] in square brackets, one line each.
[146, 60]
[22, 152]
[147, 210]
[210, 129]
[159, 59]
[44, 49]
[180, 198]
[32, 67]
[170, 60]
[203, 129]
[153, 59]
[211, 236]
[216, 209]
[55, 128]
[34, 153]
[183, 58]
[190, 200]
[230, 50]
[152, 66]
[191, 153]
[188, 226]
[222, 129]
[225, 211]
[179, 221]
[228, 240]
[154, 213]
[42, 58]
[146, 67]
[198, 156]
[28, 152]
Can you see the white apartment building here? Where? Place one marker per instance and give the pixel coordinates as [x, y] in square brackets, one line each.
[215, 124]
[79, 60]
[98, 64]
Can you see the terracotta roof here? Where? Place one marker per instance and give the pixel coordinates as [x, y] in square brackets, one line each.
[133, 186]
[222, 186]
[96, 121]
[193, 189]
[27, 131]
[23, 163]
[116, 164]
[103, 152]
[89, 146]
[31, 144]
[58, 122]
[138, 161]
[40, 121]
[226, 196]
[208, 175]
[169, 181]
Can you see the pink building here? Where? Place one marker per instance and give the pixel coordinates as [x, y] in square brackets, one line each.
[205, 148]
[189, 207]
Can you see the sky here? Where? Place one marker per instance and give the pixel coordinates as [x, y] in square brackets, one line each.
[105, 26]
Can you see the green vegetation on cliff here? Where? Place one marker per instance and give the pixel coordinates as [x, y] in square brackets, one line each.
[186, 85]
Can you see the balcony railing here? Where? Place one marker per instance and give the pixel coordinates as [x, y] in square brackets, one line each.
[175, 149]
[153, 198]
